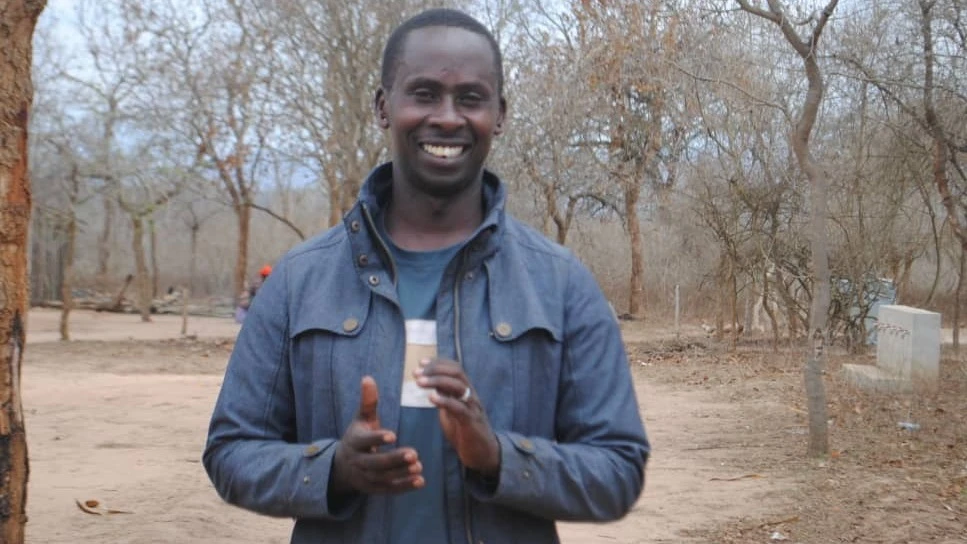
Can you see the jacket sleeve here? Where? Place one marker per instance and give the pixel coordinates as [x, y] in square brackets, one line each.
[251, 455]
[594, 470]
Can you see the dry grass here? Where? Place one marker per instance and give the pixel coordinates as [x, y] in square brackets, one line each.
[880, 483]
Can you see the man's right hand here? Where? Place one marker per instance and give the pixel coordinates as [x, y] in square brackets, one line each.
[359, 466]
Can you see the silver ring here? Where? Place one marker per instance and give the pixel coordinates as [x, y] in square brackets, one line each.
[466, 395]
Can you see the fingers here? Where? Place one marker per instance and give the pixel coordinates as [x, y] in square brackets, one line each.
[398, 460]
[445, 377]
[361, 438]
[454, 406]
[394, 471]
[368, 400]
[361, 462]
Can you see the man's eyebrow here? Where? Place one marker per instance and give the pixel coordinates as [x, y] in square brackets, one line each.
[422, 81]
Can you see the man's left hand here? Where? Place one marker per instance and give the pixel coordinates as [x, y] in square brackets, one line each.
[464, 422]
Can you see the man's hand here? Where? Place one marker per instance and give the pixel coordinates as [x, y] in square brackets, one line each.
[360, 467]
[464, 423]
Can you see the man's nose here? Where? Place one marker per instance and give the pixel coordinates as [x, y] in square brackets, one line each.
[446, 116]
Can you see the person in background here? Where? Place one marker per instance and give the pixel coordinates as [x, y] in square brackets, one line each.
[248, 294]
[432, 370]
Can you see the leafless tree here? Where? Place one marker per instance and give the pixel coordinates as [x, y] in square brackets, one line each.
[641, 117]
[806, 47]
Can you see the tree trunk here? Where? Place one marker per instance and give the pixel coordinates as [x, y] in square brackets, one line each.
[957, 297]
[193, 262]
[244, 215]
[104, 241]
[141, 268]
[636, 303]
[19, 17]
[155, 268]
[185, 293]
[773, 320]
[819, 245]
[335, 198]
[67, 286]
[721, 298]
[734, 303]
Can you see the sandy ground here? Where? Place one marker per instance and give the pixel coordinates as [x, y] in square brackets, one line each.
[43, 325]
[120, 415]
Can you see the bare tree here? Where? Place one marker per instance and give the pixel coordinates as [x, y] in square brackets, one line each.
[74, 191]
[16, 93]
[332, 53]
[639, 118]
[209, 77]
[57, 181]
[926, 86]
[544, 154]
[806, 47]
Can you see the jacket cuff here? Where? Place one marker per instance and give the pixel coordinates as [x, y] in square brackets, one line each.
[316, 474]
[518, 471]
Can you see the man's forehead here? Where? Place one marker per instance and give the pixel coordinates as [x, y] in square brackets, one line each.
[436, 43]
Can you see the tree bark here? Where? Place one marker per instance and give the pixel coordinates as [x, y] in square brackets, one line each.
[155, 267]
[819, 248]
[17, 21]
[335, 198]
[104, 241]
[957, 298]
[244, 215]
[141, 268]
[636, 295]
[67, 286]
[819, 243]
[193, 262]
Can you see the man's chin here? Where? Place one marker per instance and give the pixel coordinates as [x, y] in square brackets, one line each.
[447, 186]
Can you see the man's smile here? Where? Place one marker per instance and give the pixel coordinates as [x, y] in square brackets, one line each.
[444, 151]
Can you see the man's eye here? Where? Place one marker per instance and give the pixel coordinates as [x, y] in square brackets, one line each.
[424, 95]
[471, 99]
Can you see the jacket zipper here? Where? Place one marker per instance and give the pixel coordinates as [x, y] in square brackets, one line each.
[392, 266]
[456, 336]
[459, 352]
[379, 239]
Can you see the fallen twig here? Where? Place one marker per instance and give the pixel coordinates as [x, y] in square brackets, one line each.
[737, 478]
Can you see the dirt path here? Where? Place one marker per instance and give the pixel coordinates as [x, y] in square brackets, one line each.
[124, 423]
[43, 325]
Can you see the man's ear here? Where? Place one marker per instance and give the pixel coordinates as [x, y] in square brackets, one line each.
[379, 107]
[501, 117]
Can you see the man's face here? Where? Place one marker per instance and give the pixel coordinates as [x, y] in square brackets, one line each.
[442, 110]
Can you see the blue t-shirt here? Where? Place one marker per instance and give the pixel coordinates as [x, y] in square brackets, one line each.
[420, 516]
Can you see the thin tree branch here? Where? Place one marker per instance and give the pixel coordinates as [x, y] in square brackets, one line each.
[285, 221]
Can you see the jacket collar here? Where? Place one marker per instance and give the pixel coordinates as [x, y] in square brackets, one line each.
[375, 193]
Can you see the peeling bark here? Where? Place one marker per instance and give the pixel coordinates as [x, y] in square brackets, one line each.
[17, 21]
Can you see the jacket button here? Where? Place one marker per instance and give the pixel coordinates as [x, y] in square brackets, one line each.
[306, 480]
[526, 474]
[374, 280]
[503, 329]
[354, 226]
[469, 276]
[363, 259]
[350, 324]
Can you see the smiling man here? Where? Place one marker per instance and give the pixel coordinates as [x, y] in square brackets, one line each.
[432, 370]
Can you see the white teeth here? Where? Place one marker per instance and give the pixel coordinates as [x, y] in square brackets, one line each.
[443, 151]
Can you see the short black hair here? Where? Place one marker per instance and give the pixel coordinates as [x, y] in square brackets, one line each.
[445, 17]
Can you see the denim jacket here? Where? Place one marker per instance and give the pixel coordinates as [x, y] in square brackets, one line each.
[523, 316]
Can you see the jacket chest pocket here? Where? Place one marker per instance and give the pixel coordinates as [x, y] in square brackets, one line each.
[517, 377]
[328, 359]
